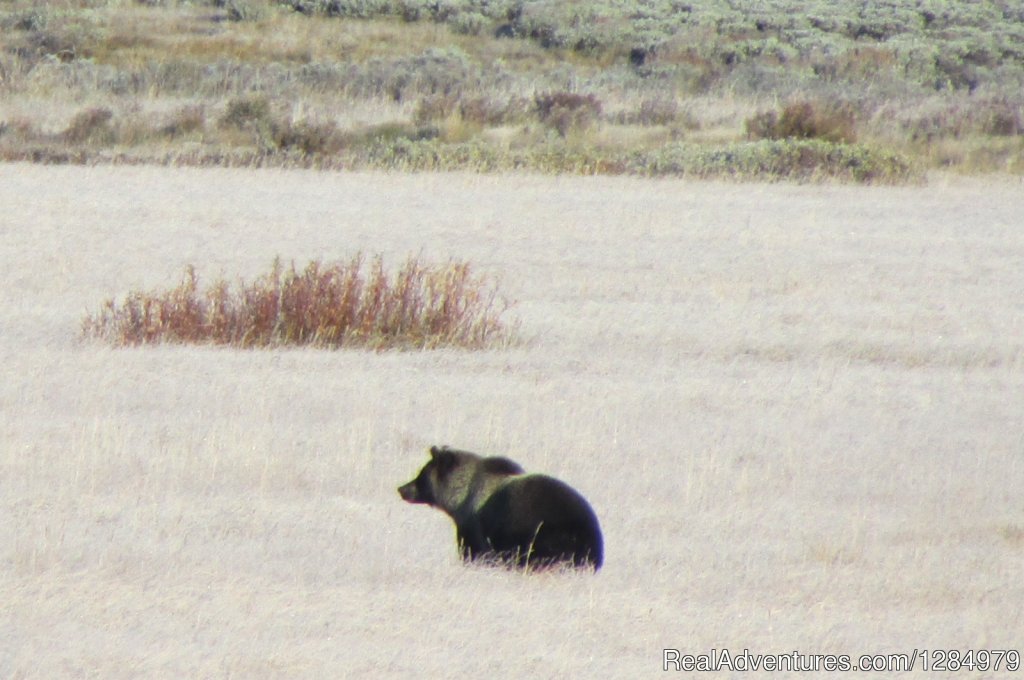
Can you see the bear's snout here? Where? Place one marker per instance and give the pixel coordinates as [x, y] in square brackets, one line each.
[408, 492]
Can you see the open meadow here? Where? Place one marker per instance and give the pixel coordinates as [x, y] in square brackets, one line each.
[797, 411]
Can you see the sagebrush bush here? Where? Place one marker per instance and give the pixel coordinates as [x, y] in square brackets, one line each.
[353, 304]
[20, 129]
[245, 112]
[1003, 119]
[277, 133]
[490, 111]
[804, 120]
[244, 10]
[309, 137]
[184, 121]
[92, 124]
[656, 111]
[565, 111]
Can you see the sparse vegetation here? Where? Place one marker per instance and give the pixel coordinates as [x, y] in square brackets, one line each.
[310, 83]
[353, 304]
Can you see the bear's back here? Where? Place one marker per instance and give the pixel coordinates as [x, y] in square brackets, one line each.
[544, 518]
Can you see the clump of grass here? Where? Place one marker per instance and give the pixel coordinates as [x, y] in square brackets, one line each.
[353, 304]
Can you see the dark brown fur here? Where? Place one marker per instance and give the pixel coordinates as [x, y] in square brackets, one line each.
[503, 515]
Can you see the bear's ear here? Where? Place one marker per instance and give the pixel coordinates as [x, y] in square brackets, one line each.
[444, 460]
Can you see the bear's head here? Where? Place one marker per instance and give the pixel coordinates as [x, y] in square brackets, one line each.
[448, 477]
[432, 477]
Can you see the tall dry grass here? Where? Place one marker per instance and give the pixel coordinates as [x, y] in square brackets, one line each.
[796, 411]
[353, 304]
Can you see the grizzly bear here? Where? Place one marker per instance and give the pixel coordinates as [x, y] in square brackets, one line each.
[504, 516]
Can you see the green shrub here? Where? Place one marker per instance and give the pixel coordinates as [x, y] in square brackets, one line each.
[470, 23]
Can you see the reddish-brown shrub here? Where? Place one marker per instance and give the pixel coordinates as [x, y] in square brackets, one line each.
[334, 305]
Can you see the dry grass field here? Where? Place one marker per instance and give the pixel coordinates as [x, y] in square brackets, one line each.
[797, 411]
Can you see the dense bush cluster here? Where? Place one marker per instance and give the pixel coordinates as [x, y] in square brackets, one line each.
[351, 304]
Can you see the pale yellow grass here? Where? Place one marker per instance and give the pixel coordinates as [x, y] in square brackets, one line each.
[796, 410]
